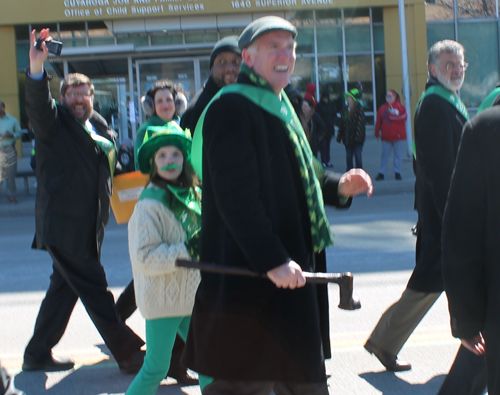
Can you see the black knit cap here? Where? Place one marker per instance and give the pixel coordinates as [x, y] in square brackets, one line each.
[263, 25]
[226, 44]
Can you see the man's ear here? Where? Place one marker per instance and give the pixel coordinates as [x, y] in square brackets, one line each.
[433, 70]
[247, 57]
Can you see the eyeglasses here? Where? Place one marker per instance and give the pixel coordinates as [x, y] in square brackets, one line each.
[74, 95]
[454, 66]
[389, 95]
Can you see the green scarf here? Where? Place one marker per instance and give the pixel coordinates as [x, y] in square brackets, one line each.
[311, 170]
[447, 95]
[105, 146]
[186, 208]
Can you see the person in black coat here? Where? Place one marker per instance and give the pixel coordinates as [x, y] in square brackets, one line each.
[253, 334]
[225, 61]
[328, 112]
[471, 257]
[76, 158]
[438, 129]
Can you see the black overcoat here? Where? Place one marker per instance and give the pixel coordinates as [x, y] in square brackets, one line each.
[255, 216]
[438, 129]
[73, 174]
[471, 237]
[193, 113]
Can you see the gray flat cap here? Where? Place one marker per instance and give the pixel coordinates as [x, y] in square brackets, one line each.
[264, 25]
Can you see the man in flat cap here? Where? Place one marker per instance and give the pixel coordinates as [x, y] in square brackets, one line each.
[225, 62]
[262, 210]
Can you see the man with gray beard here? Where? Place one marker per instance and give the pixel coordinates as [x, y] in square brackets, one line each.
[439, 120]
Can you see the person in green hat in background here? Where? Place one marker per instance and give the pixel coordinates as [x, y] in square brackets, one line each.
[352, 130]
[164, 227]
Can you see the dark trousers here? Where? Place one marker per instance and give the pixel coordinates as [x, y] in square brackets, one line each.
[356, 151]
[324, 148]
[231, 387]
[76, 277]
[467, 375]
[126, 306]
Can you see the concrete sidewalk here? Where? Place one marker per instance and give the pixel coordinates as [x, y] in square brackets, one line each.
[371, 162]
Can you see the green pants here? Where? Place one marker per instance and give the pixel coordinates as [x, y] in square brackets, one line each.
[160, 337]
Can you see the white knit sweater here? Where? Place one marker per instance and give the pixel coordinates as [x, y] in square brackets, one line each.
[156, 239]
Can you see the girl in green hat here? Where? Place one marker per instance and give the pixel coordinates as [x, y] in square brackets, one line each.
[164, 227]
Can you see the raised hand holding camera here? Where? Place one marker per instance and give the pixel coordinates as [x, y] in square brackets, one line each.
[54, 47]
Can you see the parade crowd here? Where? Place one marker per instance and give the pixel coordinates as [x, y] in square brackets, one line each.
[239, 177]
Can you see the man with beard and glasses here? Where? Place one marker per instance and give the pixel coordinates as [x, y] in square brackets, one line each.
[76, 158]
[439, 120]
[225, 61]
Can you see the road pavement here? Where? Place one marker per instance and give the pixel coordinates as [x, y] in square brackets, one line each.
[372, 240]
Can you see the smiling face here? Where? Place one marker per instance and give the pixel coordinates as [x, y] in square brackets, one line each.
[449, 70]
[164, 104]
[272, 56]
[169, 162]
[226, 68]
[390, 98]
[79, 101]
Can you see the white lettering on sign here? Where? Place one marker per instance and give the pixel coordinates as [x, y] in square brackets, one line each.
[274, 3]
[186, 7]
[316, 2]
[116, 10]
[241, 4]
[147, 10]
[76, 13]
[142, 1]
[85, 3]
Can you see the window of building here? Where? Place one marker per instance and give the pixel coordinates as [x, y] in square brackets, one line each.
[480, 41]
[201, 36]
[439, 31]
[73, 34]
[138, 39]
[166, 38]
[99, 34]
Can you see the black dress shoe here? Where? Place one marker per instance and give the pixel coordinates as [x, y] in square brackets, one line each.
[183, 377]
[391, 362]
[132, 364]
[51, 364]
[379, 177]
[397, 176]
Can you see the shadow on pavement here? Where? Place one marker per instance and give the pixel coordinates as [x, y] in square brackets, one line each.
[101, 378]
[390, 384]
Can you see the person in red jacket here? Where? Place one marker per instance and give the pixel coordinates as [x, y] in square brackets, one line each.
[391, 119]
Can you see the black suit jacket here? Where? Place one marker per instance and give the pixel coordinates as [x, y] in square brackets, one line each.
[73, 174]
[438, 129]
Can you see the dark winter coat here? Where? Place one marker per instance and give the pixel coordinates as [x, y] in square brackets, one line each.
[255, 216]
[328, 112]
[352, 128]
[471, 257]
[438, 129]
[193, 112]
[317, 132]
[73, 175]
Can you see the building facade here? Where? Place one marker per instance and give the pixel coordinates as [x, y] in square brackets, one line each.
[126, 45]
